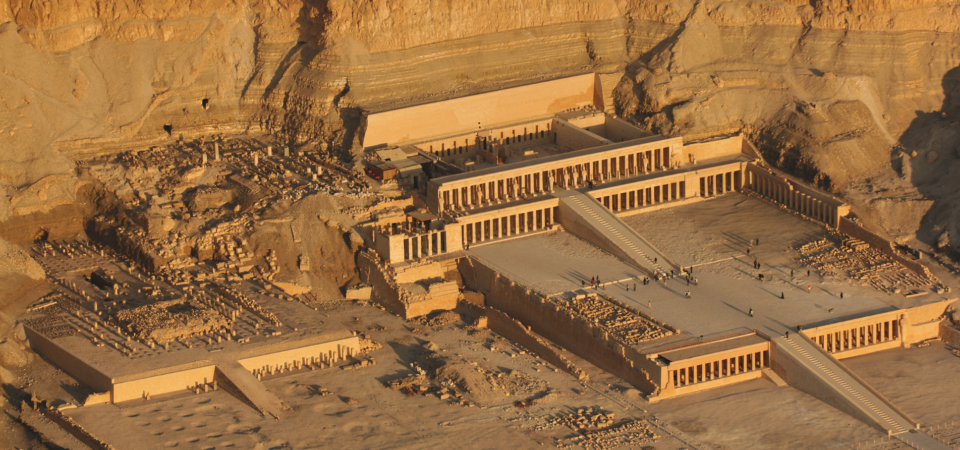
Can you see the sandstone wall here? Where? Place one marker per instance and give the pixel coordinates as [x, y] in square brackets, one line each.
[546, 320]
[468, 113]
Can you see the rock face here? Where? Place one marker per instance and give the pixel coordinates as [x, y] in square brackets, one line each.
[827, 88]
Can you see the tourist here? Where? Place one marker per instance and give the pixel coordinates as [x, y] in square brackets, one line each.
[782, 297]
[788, 334]
[593, 280]
[791, 273]
[748, 251]
[808, 272]
[750, 313]
[841, 295]
[634, 287]
[687, 294]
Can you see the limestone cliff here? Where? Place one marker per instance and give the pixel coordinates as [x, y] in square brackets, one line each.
[828, 89]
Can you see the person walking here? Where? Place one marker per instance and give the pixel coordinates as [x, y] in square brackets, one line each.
[593, 280]
[791, 273]
[782, 297]
[750, 313]
[841, 296]
[808, 272]
[634, 287]
[788, 334]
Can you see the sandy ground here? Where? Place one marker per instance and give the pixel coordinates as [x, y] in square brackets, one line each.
[380, 417]
[920, 381]
[759, 415]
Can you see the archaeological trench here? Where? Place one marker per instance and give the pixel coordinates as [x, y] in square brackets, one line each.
[591, 224]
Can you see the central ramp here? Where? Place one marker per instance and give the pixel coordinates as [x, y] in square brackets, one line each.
[810, 369]
[583, 216]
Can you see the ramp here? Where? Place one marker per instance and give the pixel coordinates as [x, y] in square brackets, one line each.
[584, 216]
[250, 388]
[808, 368]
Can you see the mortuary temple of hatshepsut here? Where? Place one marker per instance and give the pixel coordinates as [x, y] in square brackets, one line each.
[561, 163]
[524, 250]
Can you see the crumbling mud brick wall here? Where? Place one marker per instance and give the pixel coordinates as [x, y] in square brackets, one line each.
[546, 319]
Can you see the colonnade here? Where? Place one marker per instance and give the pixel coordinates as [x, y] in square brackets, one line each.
[724, 367]
[856, 337]
[508, 225]
[720, 183]
[471, 143]
[645, 196]
[784, 192]
[512, 184]
[427, 244]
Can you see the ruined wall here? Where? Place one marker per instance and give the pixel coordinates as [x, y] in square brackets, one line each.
[340, 348]
[546, 320]
[515, 331]
[849, 227]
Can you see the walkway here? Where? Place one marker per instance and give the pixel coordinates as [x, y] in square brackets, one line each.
[836, 378]
[612, 233]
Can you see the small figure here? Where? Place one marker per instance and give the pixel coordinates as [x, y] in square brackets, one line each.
[788, 334]
[799, 327]
[808, 272]
[687, 294]
[781, 296]
[791, 273]
[634, 287]
[750, 313]
[841, 295]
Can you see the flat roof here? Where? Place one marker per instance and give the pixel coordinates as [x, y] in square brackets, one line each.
[712, 347]
[548, 159]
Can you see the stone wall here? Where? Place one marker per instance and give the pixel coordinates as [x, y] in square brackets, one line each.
[512, 329]
[459, 115]
[545, 319]
[852, 229]
[714, 148]
[575, 138]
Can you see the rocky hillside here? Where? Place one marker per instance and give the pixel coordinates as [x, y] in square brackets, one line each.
[834, 91]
